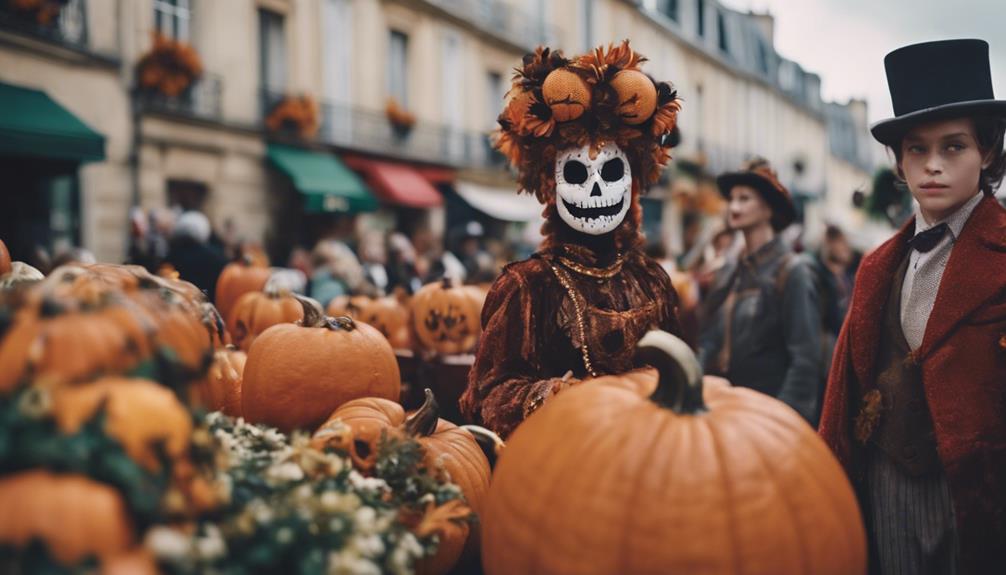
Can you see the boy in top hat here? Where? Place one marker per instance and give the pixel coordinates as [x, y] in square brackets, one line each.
[915, 407]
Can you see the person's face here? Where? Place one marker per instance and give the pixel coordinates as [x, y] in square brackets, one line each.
[839, 251]
[942, 163]
[747, 209]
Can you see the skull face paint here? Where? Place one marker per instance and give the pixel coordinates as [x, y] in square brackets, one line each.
[593, 195]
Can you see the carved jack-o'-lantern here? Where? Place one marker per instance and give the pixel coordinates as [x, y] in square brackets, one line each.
[445, 317]
[390, 317]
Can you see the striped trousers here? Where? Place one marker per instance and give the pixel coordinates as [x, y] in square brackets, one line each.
[911, 520]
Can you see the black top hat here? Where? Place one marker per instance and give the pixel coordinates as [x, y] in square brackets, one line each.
[937, 80]
[758, 174]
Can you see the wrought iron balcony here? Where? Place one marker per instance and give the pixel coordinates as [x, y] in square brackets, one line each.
[67, 28]
[370, 131]
[203, 100]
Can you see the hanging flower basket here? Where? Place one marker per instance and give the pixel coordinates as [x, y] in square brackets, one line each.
[294, 115]
[402, 121]
[170, 67]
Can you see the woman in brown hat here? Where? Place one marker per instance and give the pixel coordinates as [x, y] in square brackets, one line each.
[761, 320]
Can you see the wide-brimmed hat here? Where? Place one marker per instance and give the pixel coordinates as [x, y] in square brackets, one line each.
[758, 174]
[937, 80]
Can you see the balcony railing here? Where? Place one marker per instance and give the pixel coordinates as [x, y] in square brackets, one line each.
[203, 100]
[499, 19]
[370, 131]
[68, 29]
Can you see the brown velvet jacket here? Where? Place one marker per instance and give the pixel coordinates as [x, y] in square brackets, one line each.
[531, 337]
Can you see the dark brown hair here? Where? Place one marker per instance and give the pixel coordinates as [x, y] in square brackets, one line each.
[989, 131]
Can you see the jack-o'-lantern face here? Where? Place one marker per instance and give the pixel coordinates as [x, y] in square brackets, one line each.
[446, 317]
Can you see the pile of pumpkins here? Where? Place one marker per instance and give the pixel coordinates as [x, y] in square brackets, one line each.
[118, 347]
[659, 470]
[97, 440]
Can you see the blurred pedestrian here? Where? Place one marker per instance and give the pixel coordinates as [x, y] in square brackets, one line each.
[337, 271]
[402, 269]
[191, 254]
[478, 263]
[761, 324]
[373, 258]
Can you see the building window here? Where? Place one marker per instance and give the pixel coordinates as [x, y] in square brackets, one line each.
[272, 52]
[172, 18]
[337, 35]
[700, 11]
[398, 47]
[187, 194]
[496, 94]
[668, 8]
[762, 57]
[721, 30]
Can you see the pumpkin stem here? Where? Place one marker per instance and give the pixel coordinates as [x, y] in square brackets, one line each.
[446, 282]
[424, 421]
[314, 316]
[212, 319]
[679, 375]
[492, 445]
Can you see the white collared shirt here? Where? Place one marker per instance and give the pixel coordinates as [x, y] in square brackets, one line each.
[925, 270]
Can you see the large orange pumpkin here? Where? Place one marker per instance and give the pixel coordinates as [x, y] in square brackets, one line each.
[182, 328]
[69, 340]
[4, 259]
[220, 390]
[602, 479]
[75, 517]
[297, 375]
[236, 279]
[390, 317]
[256, 311]
[143, 416]
[445, 317]
[446, 446]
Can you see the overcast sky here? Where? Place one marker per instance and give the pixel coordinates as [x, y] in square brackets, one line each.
[845, 40]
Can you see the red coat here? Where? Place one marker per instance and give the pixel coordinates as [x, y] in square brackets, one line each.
[963, 361]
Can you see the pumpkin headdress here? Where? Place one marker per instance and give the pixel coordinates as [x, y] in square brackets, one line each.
[556, 103]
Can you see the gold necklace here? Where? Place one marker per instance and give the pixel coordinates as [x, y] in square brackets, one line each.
[578, 310]
[600, 273]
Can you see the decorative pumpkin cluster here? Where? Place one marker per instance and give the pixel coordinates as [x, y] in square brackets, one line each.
[556, 103]
[103, 463]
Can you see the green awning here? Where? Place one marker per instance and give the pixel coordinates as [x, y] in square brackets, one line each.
[32, 124]
[326, 183]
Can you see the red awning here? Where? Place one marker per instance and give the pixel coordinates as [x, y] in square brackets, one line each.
[395, 183]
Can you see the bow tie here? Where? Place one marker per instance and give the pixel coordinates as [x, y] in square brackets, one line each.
[927, 240]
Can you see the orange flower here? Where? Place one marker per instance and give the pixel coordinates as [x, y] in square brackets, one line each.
[295, 113]
[169, 66]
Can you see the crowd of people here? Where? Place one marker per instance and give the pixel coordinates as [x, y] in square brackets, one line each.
[341, 262]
